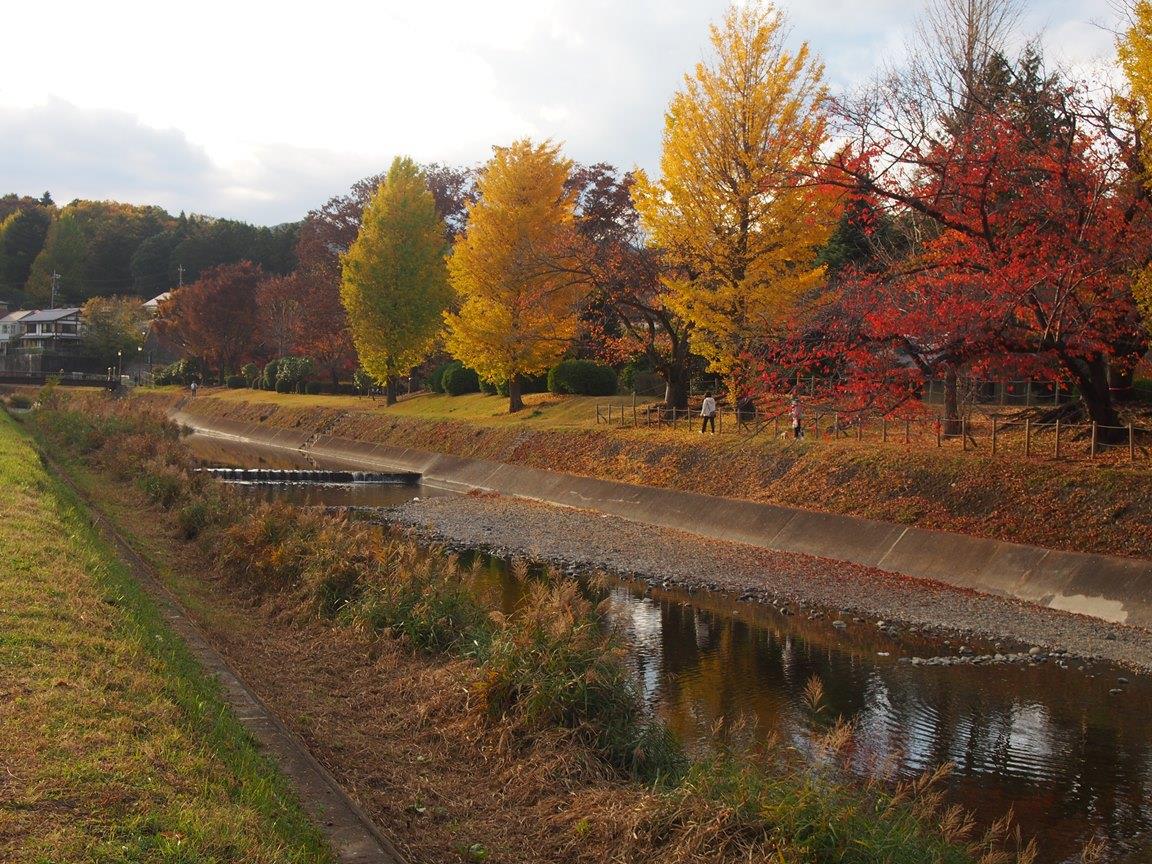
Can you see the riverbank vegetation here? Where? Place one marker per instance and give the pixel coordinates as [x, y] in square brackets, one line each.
[544, 685]
[117, 747]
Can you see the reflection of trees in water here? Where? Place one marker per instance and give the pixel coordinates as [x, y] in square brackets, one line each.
[1020, 738]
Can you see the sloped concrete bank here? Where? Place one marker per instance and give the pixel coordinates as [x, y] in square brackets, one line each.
[1107, 587]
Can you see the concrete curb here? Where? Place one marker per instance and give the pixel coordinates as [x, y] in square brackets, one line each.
[354, 838]
[1111, 588]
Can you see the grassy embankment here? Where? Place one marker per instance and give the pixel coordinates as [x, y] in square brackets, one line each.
[545, 680]
[116, 747]
[1081, 506]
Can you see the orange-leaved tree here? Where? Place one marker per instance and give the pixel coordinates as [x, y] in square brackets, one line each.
[520, 291]
[214, 318]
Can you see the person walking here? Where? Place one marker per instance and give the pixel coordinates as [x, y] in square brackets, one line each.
[708, 412]
[797, 419]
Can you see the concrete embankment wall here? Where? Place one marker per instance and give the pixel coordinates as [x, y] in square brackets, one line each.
[1107, 587]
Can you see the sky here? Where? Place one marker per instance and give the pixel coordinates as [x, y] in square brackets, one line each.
[262, 111]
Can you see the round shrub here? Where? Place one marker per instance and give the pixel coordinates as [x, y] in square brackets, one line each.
[491, 388]
[362, 382]
[283, 386]
[235, 382]
[436, 379]
[268, 379]
[313, 387]
[461, 380]
[582, 378]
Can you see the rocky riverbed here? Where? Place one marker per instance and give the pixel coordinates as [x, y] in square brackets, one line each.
[984, 628]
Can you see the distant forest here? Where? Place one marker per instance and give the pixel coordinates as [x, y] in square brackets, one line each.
[100, 248]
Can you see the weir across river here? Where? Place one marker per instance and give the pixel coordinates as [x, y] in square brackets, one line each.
[289, 475]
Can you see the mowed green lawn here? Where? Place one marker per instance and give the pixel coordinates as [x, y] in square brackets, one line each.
[541, 409]
[114, 747]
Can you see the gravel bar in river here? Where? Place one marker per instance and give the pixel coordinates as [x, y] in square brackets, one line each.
[795, 583]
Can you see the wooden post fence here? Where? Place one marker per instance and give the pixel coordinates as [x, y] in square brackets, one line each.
[994, 430]
[1027, 438]
[1092, 450]
[1057, 438]
[1131, 443]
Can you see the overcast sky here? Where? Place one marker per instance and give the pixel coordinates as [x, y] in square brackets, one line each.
[261, 111]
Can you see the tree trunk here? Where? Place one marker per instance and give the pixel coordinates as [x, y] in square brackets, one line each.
[951, 403]
[515, 399]
[1092, 381]
[677, 377]
[1120, 380]
[390, 390]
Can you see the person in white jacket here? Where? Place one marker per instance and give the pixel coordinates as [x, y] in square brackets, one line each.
[708, 412]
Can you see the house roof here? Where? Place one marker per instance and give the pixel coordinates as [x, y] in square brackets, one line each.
[13, 317]
[157, 300]
[51, 315]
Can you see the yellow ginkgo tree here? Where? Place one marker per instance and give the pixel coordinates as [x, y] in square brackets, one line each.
[734, 211]
[1134, 49]
[394, 283]
[520, 295]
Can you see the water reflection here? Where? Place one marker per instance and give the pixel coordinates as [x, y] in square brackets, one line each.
[1053, 745]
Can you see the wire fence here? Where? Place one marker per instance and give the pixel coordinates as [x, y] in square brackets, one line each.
[1018, 392]
[990, 434]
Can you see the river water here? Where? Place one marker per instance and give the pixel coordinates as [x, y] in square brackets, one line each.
[1070, 759]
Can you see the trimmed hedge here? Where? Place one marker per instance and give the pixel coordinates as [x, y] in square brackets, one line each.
[312, 388]
[460, 380]
[236, 382]
[528, 384]
[181, 372]
[582, 378]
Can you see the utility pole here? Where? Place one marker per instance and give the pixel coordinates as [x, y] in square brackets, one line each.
[180, 276]
[55, 290]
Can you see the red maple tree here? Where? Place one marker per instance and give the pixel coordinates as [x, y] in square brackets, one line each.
[1034, 237]
[214, 318]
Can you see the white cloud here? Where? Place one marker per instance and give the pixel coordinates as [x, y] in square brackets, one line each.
[262, 110]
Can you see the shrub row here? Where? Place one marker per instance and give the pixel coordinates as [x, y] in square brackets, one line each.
[574, 377]
[582, 378]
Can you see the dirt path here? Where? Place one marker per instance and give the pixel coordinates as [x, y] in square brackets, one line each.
[798, 583]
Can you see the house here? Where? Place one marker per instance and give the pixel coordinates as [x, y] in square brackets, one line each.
[50, 329]
[10, 328]
[153, 305]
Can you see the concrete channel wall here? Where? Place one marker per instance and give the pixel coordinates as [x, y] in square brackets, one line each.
[1112, 588]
